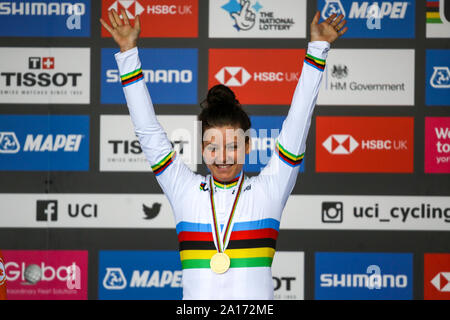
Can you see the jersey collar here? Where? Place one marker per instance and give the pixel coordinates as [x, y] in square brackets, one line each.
[227, 185]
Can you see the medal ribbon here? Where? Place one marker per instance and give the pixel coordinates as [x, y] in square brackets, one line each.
[227, 233]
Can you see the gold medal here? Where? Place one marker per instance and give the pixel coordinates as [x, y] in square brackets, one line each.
[220, 262]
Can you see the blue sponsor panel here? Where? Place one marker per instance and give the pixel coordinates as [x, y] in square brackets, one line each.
[437, 77]
[170, 74]
[139, 275]
[264, 133]
[363, 276]
[44, 143]
[373, 19]
[45, 18]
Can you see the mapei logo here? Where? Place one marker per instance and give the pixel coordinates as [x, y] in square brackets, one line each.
[440, 78]
[364, 10]
[340, 144]
[114, 279]
[139, 275]
[9, 143]
[233, 76]
[373, 19]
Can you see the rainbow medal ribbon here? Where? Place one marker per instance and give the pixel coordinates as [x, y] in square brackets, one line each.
[220, 261]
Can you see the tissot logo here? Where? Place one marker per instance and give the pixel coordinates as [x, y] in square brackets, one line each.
[233, 76]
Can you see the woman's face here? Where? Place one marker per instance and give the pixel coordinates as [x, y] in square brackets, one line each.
[224, 150]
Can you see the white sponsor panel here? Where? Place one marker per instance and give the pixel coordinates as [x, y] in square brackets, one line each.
[45, 75]
[120, 149]
[324, 212]
[439, 29]
[85, 211]
[288, 270]
[368, 77]
[257, 19]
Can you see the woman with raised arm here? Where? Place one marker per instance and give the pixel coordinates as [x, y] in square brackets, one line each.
[227, 223]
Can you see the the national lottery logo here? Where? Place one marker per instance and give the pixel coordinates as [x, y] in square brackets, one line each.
[9, 143]
[114, 279]
[243, 14]
[332, 7]
[440, 78]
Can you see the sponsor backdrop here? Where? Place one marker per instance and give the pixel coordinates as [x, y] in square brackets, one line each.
[81, 214]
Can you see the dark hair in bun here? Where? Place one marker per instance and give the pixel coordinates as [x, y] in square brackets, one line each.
[221, 108]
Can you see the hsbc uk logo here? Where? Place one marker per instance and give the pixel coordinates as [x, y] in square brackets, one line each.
[233, 76]
[134, 8]
[442, 281]
[345, 144]
[239, 76]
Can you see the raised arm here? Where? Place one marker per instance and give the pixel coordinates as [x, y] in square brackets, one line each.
[281, 172]
[170, 171]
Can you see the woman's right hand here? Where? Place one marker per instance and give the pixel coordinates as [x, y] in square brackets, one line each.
[123, 33]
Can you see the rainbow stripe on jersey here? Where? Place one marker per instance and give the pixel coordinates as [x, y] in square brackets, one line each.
[251, 244]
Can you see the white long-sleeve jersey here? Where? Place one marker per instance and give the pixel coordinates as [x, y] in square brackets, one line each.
[255, 226]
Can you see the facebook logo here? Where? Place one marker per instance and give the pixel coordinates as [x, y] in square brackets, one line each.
[47, 210]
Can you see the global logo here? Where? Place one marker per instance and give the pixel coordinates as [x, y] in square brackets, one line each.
[233, 76]
[9, 143]
[2, 272]
[442, 281]
[332, 7]
[340, 144]
[114, 279]
[132, 7]
[440, 78]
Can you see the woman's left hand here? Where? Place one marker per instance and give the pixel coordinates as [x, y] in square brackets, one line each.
[329, 30]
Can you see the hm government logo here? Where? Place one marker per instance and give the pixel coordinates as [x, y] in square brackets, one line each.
[440, 78]
[339, 71]
[340, 144]
[233, 76]
[132, 7]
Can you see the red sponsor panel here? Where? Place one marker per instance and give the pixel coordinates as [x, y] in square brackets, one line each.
[46, 274]
[159, 18]
[364, 144]
[436, 276]
[257, 76]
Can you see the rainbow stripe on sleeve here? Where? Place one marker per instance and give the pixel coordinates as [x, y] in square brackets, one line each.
[287, 157]
[252, 244]
[132, 77]
[163, 164]
[314, 62]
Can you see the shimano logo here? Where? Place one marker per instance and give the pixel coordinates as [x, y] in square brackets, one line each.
[42, 8]
[156, 76]
[363, 280]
